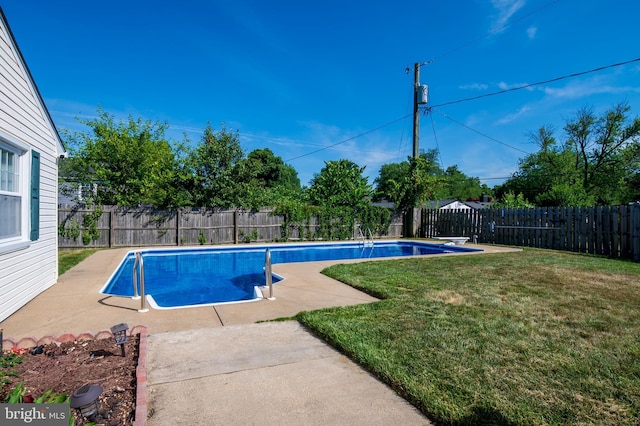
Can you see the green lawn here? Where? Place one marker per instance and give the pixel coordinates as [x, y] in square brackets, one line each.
[528, 338]
[69, 258]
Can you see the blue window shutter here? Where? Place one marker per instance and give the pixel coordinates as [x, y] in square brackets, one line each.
[35, 195]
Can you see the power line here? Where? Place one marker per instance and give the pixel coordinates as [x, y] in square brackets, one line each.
[433, 127]
[577, 74]
[525, 86]
[349, 139]
[476, 131]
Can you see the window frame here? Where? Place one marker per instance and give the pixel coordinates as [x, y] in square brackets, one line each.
[22, 158]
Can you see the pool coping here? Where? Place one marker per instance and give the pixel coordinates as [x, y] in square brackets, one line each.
[259, 248]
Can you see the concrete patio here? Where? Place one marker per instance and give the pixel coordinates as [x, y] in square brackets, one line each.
[214, 365]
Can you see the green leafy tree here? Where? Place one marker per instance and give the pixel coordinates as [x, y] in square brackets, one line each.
[129, 163]
[457, 185]
[210, 171]
[340, 184]
[391, 174]
[416, 187]
[452, 183]
[265, 179]
[598, 163]
[513, 201]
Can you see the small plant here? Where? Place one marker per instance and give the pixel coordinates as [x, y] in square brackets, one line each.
[202, 239]
[90, 225]
[18, 396]
[70, 230]
[10, 360]
[252, 236]
[51, 398]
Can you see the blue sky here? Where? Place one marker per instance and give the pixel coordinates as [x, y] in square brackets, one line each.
[319, 81]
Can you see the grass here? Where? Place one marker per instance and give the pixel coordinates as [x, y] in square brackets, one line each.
[530, 338]
[67, 259]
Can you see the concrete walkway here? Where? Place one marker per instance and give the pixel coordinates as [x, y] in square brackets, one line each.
[201, 373]
[273, 373]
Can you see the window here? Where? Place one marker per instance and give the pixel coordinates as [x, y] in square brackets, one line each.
[10, 199]
[19, 193]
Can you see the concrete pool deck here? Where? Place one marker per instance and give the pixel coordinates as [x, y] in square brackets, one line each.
[238, 372]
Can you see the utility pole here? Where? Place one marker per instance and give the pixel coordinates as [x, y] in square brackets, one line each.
[416, 112]
[419, 98]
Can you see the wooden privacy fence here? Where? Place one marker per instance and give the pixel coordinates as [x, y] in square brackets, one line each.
[610, 230]
[137, 227]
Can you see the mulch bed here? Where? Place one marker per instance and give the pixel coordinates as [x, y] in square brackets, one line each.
[65, 367]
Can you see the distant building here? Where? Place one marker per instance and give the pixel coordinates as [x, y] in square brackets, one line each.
[450, 204]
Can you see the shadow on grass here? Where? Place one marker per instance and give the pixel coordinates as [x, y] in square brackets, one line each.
[484, 416]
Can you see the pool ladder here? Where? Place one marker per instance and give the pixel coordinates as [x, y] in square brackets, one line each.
[365, 242]
[139, 263]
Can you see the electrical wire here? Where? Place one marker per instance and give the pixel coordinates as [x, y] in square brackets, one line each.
[349, 139]
[401, 144]
[476, 131]
[577, 74]
[525, 86]
[433, 127]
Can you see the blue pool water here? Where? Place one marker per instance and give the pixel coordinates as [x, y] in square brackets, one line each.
[207, 276]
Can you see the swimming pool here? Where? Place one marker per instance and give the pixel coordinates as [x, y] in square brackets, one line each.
[187, 277]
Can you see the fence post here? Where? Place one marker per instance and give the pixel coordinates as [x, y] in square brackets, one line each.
[178, 222]
[112, 236]
[236, 233]
[635, 231]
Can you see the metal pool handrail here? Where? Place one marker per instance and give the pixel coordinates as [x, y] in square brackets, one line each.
[370, 235]
[268, 275]
[139, 262]
[135, 278]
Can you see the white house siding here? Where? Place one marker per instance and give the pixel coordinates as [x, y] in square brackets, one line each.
[456, 205]
[28, 271]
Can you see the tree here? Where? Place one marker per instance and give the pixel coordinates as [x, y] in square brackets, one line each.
[416, 187]
[129, 163]
[340, 184]
[264, 169]
[598, 162]
[513, 201]
[457, 185]
[391, 174]
[266, 179]
[211, 169]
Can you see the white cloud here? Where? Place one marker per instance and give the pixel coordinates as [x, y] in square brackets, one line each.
[508, 86]
[474, 86]
[514, 116]
[587, 88]
[506, 9]
[531, 32]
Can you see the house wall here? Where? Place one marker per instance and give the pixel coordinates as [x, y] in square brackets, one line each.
[456, 205]
[30, 267]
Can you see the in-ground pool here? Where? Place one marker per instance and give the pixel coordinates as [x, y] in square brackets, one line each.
[178, 278]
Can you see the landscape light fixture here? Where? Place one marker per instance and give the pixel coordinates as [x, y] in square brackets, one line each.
[119, 332]
[85, 401]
